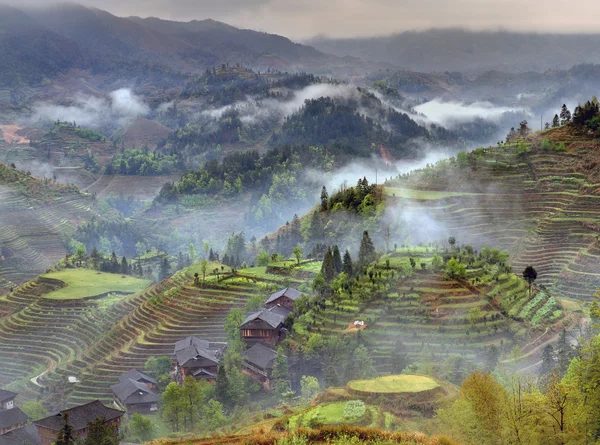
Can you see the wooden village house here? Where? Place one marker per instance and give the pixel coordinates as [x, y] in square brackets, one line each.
[197, 358]
[79, 418]
[258, 363]
[7, 400]
[268, 325]
[136, 392]
[12, 419]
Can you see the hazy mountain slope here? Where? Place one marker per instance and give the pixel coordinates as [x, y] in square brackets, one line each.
[30, 53]
[459, 50]
[221, 38]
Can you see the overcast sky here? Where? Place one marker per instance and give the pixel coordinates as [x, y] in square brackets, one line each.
[299, 19]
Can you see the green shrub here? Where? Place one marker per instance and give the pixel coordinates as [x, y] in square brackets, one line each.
[354, 410]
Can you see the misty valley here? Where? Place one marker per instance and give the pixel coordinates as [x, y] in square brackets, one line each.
[216, 235]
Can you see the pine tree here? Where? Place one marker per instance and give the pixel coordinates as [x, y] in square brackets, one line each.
[348, 267]
[222, 386]
[555, 121]
[564, 352]
[366, 254]
[492, 357]
[328, 266]
[337, 259]
[331, 377]
[324, 198]
[124, 266]
[565, 115]
[114, 263]
[548, 361]
[530, 275]
[66, 434]
[281, 373]
[99, 433]
[165, 268]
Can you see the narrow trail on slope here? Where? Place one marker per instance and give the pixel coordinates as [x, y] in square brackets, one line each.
[34, 380]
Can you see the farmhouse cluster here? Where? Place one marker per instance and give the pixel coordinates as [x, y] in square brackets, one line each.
[261, 331]
[137, 392]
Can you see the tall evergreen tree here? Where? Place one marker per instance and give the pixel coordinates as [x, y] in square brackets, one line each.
[366, 254]
[222, 386]
[66, 434]
[328, 266]
[324, 199]
[281, 372]
[124, 266]
[555, 121]
[331, 377]
[565, 115]
[564, 352]
[348, 267]
[165, 268]
[548, 361]
[337, 259]
[100, 433]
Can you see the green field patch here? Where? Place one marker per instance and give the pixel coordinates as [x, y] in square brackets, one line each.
[394, 384]
[400, 192]
[85, 283]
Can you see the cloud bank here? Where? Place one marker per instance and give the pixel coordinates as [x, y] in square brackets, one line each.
[93, 112]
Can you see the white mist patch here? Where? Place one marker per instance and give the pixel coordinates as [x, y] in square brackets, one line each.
[251, 109]
[93, 112]
[448, 113]
[125, 103]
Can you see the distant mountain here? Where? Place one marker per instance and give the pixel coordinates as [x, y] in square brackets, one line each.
[190, 47]
[466, 51]
[30, 52]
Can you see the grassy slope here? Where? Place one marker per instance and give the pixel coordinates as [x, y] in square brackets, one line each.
[343, 435]
[395, 384]
[83, 283]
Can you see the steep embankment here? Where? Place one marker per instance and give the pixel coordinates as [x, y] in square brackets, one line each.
[536, 198]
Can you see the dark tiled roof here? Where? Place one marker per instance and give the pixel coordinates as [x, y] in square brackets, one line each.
[192, 352]
[131, 392]
[259, 355]
[290, 292]
[6, 395]
[28, 435]
[204, 372]
[12, 417]
[274, 317]
[136, 375]
[191, 341]
[80, 416]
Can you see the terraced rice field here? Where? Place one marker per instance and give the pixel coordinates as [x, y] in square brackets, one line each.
[95, 340]
[32, 231]
[426, 309]
[541, 209]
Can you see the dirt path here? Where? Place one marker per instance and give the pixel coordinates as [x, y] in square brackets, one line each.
[34, 380]
[10, 134]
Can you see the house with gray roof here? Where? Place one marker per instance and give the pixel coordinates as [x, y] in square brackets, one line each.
[140, 377]
[265, 326]
[7, 399]
[27, 435]
[197, 358]
[284, 298]
[11, 419]
[135, 396]
[79, 418]
[258, 363]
